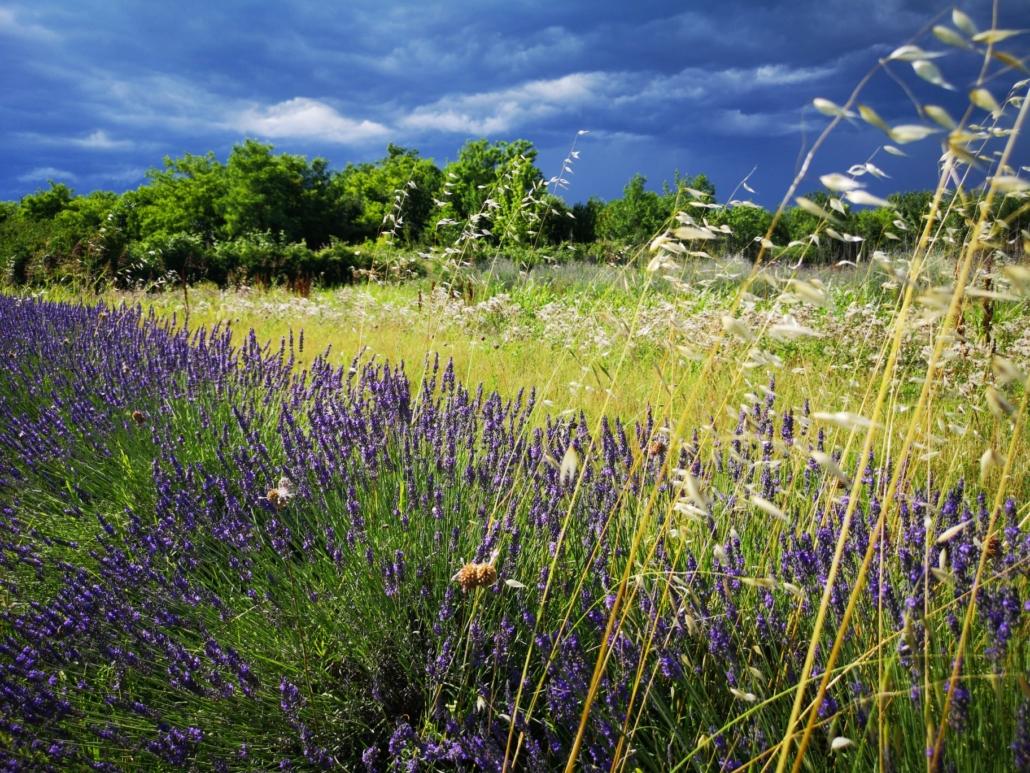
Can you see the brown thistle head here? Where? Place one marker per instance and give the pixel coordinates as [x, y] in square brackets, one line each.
[992, 546]
[472, 575]
[280, 496]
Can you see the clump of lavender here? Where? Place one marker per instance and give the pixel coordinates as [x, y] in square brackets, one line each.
[162, 606]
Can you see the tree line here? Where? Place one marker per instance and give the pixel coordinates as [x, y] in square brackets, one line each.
[278, 217]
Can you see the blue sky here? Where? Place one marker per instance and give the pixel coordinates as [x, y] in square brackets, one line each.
[96, 91]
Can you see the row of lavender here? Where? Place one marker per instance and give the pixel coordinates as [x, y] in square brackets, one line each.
[209, 559]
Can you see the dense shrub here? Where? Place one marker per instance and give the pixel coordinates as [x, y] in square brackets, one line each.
[334, 263]
[180, 255]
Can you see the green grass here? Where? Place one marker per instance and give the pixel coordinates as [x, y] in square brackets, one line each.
[618, 341]
[352, 636]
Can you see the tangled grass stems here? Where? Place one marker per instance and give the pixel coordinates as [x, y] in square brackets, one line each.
[947, 325]
[679, 432]
[869, 440]
[550, 575]
[967, 620]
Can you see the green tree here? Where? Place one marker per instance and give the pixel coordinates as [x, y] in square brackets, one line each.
[53, 234]
[45, 205]
[522, 203]
[492, 194]
[912, 207]
[186, 195]
[698, 182]
[584, 222]
[394, 195]
[748, 225]
[90, 230]
[473, 176]
[799, 225]
[22, 239]
[281, 193]
[872, 225]
[637, 216]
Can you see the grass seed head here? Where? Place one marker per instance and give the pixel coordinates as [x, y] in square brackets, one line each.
[569, 465]
[992, 547]
[472, 576]
[840, 743]
[282, 494]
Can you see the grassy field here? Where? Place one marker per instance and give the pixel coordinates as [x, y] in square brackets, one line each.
[563, 325]
[616, 341]
[239, 536]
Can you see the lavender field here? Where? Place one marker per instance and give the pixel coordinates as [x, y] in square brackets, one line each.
[214, 560]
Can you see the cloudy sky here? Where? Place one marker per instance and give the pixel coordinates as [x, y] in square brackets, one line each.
[94, 92]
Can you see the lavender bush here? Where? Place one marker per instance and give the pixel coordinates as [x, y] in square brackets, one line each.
[211, 560]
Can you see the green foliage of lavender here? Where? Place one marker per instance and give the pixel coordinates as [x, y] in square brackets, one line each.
[211, 560]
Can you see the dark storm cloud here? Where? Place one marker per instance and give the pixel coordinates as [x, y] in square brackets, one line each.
[94, 92]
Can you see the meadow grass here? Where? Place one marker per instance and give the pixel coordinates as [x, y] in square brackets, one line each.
[738, 412]
[562, 330]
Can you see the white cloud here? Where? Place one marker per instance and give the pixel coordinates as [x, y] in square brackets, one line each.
[492, 112]
[302, 117]
[123, 176]
[100, 140]
[96, 140]
[44, 173]
[619, 137]
[757, 124]
[784, 75]
[144, 99]
[11, 25]
[173, 102]
[697, 84]
[540, 49]
[418, 55]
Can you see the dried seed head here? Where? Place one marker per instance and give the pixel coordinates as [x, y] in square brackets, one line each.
[992, 546]
[486, 575]
[840, 743]
[569, 465]
[473, 576]
[280, 496]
